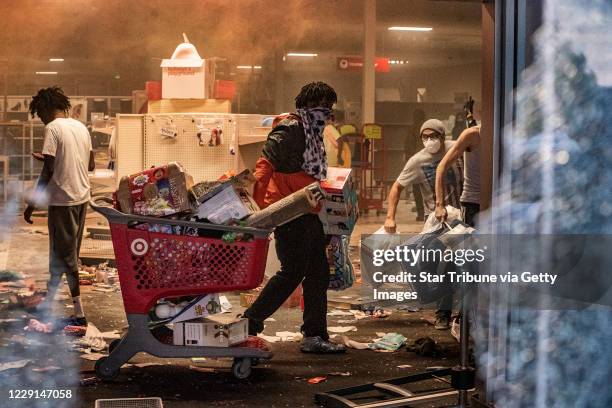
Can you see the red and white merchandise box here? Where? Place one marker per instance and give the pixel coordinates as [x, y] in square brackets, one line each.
[339, 211]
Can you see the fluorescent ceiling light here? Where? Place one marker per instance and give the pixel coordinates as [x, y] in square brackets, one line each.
[301, 54]
[248, 66]
[401, 28]
[56, 60]
[257, 66]
[46, 72]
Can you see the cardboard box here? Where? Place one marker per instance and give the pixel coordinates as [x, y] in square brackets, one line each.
[339, 211]
[214, 331]
[231, 202]
[158, 191]
[186, 75]
[202, 306]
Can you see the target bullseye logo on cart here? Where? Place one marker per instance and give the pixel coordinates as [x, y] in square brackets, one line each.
[139, 246]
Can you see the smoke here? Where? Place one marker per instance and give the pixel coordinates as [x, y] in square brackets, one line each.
[107, 37]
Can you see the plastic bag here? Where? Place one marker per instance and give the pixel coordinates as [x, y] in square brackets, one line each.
[432, 223]
[379, 240]
[342, 275]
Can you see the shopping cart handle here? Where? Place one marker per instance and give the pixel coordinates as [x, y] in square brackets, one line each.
[103, 205]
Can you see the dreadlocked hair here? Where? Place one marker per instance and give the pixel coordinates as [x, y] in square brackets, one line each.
[316, 94]
[49, 99]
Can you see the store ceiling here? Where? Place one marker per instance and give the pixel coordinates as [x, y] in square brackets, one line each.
[105, 38]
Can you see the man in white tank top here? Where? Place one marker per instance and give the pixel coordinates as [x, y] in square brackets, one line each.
[468, 146]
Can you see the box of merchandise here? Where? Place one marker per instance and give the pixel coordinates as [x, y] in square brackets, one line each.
[230, 202]
[202, 306]
[213, 331]
[157, 191]
[186, 75]
[339, 211]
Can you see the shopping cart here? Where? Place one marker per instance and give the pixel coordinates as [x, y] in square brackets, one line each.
[154, 265]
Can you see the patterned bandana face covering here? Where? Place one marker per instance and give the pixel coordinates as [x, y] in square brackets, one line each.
[315, 159]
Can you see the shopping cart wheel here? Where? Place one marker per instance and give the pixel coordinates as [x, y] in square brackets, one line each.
[103, 372]
[241, 368]
[113, 344]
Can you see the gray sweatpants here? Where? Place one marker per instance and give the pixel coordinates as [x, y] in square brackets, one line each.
[66, 224]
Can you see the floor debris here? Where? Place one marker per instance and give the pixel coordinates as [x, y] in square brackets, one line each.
[36, 326]
[388, 343]
[288, 336]
[339, 339]
[316, 380]
[45, 369]
[425, 346]
[340, 374]
[337, 312]
[341, 329]
[14, 364]
[89, 381]
[92, 356]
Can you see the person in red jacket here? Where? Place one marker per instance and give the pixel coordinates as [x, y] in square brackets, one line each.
[292, 158]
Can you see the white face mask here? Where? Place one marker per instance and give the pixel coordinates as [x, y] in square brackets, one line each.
[432, 145]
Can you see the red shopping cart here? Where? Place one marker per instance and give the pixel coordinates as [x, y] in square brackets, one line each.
[154, 265]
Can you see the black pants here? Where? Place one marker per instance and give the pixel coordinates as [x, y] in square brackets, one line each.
[300, 246]
[66, 224]
[469, 212]
[418, 201]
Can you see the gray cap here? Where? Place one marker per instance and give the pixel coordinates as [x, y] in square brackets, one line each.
[435, 125]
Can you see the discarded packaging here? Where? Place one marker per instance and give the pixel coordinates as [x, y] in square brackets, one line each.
[316, 380]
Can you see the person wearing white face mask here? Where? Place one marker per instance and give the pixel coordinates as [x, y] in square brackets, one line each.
[420, 170]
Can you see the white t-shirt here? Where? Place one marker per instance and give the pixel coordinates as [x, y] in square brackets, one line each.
[69, 142]
[420, 170]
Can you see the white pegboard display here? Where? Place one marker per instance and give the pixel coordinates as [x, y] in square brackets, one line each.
[205, 156]
[206, 144]
[129, 145]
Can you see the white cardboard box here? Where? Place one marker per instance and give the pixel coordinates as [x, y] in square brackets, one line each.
[186, 75]
[202, 306]
[213, 331]
[231, 203]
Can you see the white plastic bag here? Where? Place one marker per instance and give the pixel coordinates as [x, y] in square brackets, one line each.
[432, 222]
[379, 240]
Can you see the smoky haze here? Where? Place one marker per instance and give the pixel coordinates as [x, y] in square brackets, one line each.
[127, 38]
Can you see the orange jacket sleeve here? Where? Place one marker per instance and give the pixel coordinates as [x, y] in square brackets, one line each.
[263, 173]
